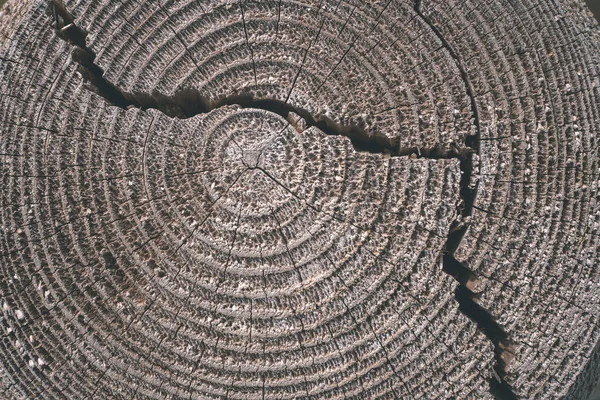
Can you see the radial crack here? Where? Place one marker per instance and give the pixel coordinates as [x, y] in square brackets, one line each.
[503, 346]
[189, 103]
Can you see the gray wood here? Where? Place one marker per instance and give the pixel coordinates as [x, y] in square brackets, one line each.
[299, 199]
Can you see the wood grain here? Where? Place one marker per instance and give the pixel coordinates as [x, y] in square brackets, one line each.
[218, 199]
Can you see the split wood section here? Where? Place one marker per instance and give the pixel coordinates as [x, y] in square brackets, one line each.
[299, 199]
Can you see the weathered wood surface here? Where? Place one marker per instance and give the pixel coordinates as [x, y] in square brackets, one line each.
[299, 199]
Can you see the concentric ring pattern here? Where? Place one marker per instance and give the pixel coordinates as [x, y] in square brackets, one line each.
[238, 253]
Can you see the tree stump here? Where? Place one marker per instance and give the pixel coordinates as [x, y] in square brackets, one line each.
[283, 199]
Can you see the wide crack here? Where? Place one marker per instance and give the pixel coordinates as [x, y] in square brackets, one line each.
[188, 103]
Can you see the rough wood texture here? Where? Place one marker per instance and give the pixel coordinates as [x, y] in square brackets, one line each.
[300, 199]
[11, 13]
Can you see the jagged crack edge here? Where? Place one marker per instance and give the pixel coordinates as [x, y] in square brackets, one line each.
[503, 346]
[188, 103]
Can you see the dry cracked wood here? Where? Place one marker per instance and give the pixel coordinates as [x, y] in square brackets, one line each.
[300, 199]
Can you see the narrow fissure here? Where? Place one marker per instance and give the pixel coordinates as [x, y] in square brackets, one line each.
[188, 103]
[503, 347]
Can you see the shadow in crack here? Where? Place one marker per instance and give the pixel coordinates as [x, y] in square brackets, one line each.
[188, 103]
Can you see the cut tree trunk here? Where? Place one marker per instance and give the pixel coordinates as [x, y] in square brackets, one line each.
[284, 199]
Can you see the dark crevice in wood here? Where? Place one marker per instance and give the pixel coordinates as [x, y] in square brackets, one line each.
[66, 29]
[189, 103]
[503, 347]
